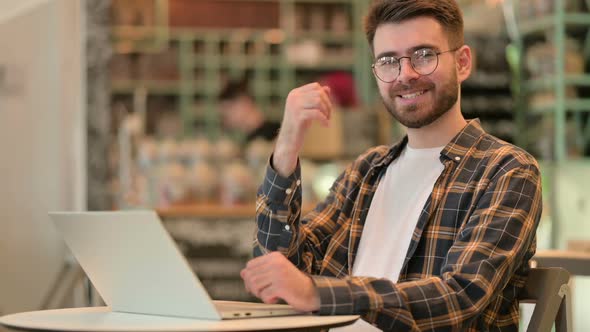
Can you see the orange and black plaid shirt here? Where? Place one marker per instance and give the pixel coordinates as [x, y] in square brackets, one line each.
[468, 258]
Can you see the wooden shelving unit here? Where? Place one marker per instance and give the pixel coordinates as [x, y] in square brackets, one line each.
[565, 115]
[213, 211]
[202, 58]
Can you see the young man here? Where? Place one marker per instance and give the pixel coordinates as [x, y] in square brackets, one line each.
[240, 112]
[433, 233]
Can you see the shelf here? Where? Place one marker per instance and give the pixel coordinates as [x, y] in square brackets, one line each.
[574, 105]
[325, 36]
[546, 22]
[153, 87]
[216, 33]
[136, 32]
[549, 82]
[205, 57]
[214, 211]
[319, 1]
[207, 211]
[240, 62]
[193, 87]
[489, 114]
[159, 87]
[483, 80]
[325, 64]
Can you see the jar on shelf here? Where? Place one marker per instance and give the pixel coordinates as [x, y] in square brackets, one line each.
[203, 182]
[237, 184]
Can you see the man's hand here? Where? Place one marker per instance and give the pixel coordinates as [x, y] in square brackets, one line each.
[272, 277]
[304, 105]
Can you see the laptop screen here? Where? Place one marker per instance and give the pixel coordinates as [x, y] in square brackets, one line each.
[134, 264]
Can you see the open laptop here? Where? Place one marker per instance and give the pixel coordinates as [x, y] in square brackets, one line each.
[136, 267]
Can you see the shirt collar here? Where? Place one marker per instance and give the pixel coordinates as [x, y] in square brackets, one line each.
[455, 150]
[466, 139]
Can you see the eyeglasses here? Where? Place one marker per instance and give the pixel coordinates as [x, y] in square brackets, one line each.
[424, 62]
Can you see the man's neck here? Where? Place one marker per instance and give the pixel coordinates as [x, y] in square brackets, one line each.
[438, 133]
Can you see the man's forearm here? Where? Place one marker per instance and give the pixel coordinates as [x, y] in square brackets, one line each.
[284, 160]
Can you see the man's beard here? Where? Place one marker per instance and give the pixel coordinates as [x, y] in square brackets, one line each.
[408, 115]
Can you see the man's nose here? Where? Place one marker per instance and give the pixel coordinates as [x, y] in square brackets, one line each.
[406, 71]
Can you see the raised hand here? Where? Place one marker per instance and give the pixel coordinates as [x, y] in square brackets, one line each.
[304, 105]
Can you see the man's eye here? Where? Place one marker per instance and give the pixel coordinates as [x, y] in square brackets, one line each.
[425, 54]
[387, 61]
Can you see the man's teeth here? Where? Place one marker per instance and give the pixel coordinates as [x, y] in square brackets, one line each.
[413, 95]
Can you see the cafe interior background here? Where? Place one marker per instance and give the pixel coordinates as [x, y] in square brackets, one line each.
[113, 105]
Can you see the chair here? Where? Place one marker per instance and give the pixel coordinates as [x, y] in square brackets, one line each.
[548, 289]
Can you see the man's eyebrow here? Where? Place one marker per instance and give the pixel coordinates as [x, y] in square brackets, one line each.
[408, 51]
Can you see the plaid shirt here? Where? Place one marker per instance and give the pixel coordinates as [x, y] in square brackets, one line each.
[467, 260]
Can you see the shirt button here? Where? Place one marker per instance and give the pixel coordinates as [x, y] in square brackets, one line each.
[457, 158]
[287, 228]
[288, 191]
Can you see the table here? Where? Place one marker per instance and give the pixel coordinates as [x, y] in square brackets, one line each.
[102, 319]
[576, 262]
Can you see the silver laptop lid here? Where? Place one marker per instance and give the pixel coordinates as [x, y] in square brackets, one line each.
[134, 263]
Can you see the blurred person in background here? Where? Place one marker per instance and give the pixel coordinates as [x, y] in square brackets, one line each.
[433, 233]
[239, 112]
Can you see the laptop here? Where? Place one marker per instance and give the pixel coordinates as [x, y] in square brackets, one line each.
[136, 267]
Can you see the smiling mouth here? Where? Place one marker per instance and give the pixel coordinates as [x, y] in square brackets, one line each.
[412, 95]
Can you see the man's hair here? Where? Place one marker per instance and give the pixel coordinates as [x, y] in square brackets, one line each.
[235, 89]
[446, 12]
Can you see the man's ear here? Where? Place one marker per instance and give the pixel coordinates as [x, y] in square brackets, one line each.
[464, 62]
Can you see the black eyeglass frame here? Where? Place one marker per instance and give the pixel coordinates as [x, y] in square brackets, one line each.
[399, 61]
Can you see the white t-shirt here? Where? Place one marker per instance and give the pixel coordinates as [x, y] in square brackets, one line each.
[394, 212]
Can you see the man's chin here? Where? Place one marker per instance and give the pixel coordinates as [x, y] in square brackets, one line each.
[414, 122]
[407, 117]
[414, 125]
